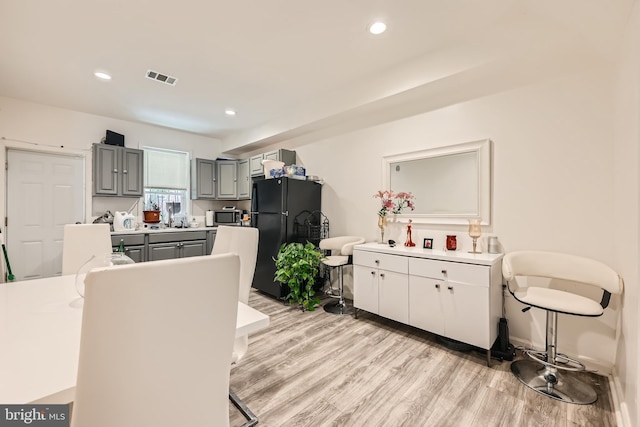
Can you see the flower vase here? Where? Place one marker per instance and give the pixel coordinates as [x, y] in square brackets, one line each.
[382, 224]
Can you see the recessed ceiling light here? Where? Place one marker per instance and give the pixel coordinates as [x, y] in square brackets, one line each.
[101, 75]
[377, 28]
[230, 112]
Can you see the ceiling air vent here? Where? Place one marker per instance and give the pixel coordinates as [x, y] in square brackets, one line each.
[162, 78]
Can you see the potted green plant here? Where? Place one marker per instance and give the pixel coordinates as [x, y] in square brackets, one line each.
[297, 266]
[152, 213]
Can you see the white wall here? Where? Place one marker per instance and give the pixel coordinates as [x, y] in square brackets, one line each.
[31, 126]
[552, 189]
[627, 213]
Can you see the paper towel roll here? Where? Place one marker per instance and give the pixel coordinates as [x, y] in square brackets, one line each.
[208, 219]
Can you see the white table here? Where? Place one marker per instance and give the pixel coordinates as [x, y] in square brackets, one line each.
[40, 322]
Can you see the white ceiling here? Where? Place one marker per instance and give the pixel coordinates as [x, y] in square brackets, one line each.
[289, 67]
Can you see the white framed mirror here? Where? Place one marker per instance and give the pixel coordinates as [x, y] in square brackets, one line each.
[451, 184]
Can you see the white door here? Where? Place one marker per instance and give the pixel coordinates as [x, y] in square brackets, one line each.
[44, 192]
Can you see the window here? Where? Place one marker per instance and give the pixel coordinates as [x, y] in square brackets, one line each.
[166, 181]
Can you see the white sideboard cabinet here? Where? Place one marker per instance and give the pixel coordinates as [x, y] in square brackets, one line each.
[453, 294]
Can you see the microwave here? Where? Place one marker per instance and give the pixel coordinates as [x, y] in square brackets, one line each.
[227, 217]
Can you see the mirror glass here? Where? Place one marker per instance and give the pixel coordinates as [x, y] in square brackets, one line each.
[450, 184]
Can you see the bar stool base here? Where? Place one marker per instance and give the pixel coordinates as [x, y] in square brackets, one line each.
[559, 386]
[338, 307]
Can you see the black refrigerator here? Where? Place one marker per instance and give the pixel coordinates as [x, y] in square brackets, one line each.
[277, 207]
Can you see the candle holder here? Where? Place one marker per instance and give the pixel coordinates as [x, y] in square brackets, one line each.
[475, 231]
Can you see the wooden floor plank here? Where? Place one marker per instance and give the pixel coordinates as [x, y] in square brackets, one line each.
[321, 369]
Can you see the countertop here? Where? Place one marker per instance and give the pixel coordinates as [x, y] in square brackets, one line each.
[418, 252]
[143, 230]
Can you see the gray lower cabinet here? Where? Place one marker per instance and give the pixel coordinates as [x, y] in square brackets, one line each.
[211, 237]
[177, 245]
[134, 246]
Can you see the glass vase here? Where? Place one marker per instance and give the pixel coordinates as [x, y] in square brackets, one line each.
[99, 261]
[382, 224]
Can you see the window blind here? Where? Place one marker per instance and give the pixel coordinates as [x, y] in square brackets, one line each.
[166, 168]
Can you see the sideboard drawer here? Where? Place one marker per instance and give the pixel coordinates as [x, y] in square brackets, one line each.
[398, 264]
[453, 271]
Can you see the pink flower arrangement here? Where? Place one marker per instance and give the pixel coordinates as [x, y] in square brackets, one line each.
[394, 202]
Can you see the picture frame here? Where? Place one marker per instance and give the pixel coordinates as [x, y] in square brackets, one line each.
[427, 244]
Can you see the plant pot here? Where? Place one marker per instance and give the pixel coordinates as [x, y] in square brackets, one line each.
[151, 216]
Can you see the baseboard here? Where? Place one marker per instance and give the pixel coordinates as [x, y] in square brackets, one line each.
[620, 407]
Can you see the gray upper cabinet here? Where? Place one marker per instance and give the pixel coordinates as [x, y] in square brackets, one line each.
[227, 179]
[244, 179]
[255, 165]
[117, 171]
[288, 157]
[203, 179]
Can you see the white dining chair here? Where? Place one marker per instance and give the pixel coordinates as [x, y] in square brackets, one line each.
[242, 241]
[81, 242]
[156, 344]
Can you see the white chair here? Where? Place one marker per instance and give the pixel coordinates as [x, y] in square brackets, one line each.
[341, 254]
[540, 373]
[242, 241]
[81, 242]
[156, 344]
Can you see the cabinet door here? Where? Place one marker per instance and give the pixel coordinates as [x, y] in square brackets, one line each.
[227, 178]
[105, 169]
[255, 165]
[132, 166]
[272, 155]
[160, 251]
[467, 313]
[365, 288]
[193, 248]
[244, 180]
[211, 238]
[393, 295]
[136, 253]
[425, 304]
[203, 179]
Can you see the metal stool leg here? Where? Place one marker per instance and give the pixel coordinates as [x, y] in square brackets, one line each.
[340, 306]
[244, 409]
[543, 376]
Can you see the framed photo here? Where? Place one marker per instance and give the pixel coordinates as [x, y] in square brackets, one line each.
[428, 244]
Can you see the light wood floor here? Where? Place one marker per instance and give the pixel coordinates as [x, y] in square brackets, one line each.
[320, 369]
